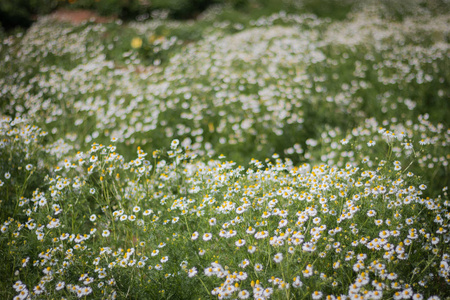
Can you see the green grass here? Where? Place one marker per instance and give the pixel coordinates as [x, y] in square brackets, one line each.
[319, 141]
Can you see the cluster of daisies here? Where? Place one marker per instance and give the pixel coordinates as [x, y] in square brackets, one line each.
[271, 230]
[416, 145]
[364, 217]
[266, 84]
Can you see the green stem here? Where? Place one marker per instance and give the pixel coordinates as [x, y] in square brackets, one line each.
[187, 226]
[423, 270]
[284, 279]
[204, 285]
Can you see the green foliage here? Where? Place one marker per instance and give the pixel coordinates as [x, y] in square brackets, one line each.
[336, 9]
[178, 9]
[296, 155]
[21, 13]
[399, 10]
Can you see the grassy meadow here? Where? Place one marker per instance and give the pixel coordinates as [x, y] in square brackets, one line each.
[264, 155]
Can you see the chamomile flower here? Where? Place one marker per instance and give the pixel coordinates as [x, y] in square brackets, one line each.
[192, 272]
[258, 267]
[207, 236]
[251, 249]
[244, 263]
[278, 257]
[174, 144]
[244, 294]
[316, 295]
[240, 243]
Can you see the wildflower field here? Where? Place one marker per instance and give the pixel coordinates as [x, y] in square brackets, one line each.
[280, 156]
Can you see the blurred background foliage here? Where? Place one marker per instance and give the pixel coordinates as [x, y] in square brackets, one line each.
[22, 13]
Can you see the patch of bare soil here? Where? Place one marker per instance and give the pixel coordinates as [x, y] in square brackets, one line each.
[79, 16]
